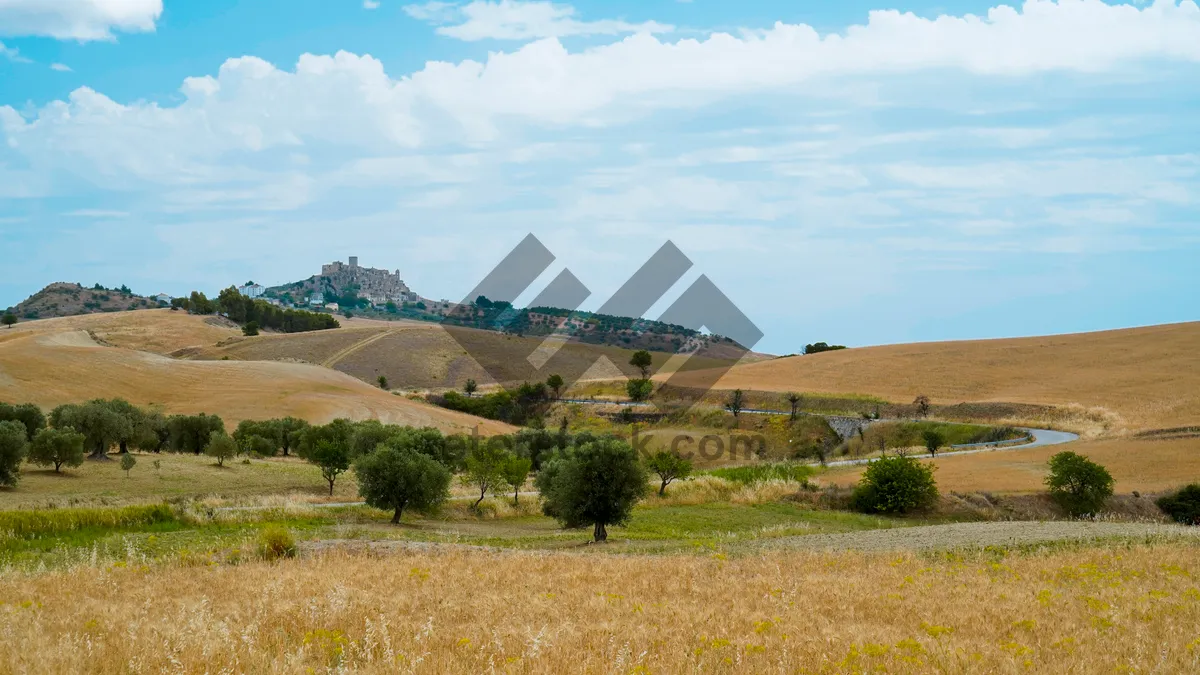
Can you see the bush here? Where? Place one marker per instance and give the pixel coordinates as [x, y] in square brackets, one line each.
[895, 484]
[1183, 506]
[275, 542]
[127, 463]
[1077, 484]
[639, 390]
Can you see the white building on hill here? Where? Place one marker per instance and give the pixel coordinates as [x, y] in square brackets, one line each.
[251, 290]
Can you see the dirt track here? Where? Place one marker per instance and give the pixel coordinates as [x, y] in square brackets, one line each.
[979, 535]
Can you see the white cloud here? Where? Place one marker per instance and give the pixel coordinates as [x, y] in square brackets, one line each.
[60, 67]
[81, 20]
[12, 54]
[519, 20]
[370, 4]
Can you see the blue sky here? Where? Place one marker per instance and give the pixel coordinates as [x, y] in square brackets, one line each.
[855, 172]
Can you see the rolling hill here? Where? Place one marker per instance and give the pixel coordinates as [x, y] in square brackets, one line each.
[1148, 377]
[78, 358]
[66, 299]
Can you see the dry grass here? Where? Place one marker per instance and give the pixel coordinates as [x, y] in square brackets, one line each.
[414, 355]
[443, 610]
[160, 331]
[1143, 465]
[1149, 377]
[55, 362]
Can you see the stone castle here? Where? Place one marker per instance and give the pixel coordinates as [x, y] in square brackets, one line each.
[378, 286]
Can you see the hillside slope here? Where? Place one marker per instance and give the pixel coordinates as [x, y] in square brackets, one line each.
[416, 355]
[66, 299]
[55, 362]
[1148, 376]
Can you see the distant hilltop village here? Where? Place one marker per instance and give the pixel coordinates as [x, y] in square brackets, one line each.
[377, 286]
[341, 282]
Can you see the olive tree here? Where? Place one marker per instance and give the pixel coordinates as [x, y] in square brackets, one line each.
[101, 425]
[13, 445]
[57, 448]
[669, 466]
[221, 447]
[516, 472]
[596, 483]
[934, 440]
[26, 413]
[485, 469]
[397, 477]
[333, 458]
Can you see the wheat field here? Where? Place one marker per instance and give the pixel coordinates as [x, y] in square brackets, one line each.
[59, 361]
[1133, 608]
[1149, 377]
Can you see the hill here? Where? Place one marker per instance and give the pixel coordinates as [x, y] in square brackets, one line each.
[418, 355]
[66, 299]
[60, 361]
[1148, 378]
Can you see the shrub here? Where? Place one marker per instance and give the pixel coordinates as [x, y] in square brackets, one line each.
[1183, 506]
[896, 484]
[275, 542]
[127, 463]
[250, 329]
[1077, 484]
[639, 389]
[761, 473]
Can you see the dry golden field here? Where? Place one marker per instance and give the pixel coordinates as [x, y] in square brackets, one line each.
[1133, 608]
[1144, 465]
[57, 361]
[1149, 377]
[422, 356]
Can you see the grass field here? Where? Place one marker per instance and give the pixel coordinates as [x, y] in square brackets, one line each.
[1066, 609]
[1147, 377]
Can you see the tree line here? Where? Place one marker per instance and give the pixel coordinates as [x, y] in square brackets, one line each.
[254, 314]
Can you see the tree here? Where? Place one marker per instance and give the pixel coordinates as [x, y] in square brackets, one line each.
[597, 483]
[57, 448]
[642, 360]
[735, 404]
[794, 399]
[933, 441]
[669, 466]
[1079, 485]
[250, 329]
[27, 414]
[921, 403]
[516, 472]
[127, 463]
[1183, 506]
[470, 388]
[340, 431]
[220, 447]
[485, 469]
[896, 484]
[397, 478]
[383, 382]
[289, 431]
[333, 458]
[555, 382]
[100, 424]
[13, 445]
[133, 415]
[639, 389]
[192, 433]
[9, 319]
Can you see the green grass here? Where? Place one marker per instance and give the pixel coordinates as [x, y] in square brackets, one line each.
[757, 473]
[178, 476]
[28, 524]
